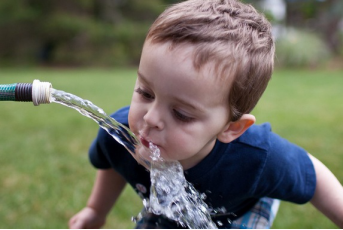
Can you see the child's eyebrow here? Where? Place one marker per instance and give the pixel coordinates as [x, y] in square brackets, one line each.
[193, 106]
[142, 77]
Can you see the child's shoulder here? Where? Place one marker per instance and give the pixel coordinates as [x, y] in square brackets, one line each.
[257, 136]
[262, 137]
[121, 115]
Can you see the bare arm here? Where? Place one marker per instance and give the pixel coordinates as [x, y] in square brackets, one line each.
[328, 197]
[107, 188]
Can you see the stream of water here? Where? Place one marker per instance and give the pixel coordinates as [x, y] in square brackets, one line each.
[170, 194]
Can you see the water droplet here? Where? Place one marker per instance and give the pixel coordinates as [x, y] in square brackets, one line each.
[219, 223]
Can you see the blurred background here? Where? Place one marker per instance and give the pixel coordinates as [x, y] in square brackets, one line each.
[111, 32]
[91, 48]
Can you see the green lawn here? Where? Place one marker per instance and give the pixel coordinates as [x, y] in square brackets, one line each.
[45, 175]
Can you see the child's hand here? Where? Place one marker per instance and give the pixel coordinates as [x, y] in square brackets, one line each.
[87, 218]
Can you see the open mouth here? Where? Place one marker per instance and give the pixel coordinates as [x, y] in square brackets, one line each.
[144, 142]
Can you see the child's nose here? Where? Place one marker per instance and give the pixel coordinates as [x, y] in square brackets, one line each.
[154, 118]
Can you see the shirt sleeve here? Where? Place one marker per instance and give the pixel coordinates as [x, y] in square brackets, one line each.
[96, 154]
[288, 172]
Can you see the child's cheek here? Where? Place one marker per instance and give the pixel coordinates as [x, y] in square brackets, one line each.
[132, 121]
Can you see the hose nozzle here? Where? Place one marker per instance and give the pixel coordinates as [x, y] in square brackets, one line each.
[37, 92]
[41, 92]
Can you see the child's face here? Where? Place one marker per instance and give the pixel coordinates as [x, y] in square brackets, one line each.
[175, 107]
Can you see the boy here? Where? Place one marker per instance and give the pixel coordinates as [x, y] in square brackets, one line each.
[204, 66]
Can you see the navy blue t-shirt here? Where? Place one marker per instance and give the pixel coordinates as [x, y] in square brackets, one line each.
[234, 175]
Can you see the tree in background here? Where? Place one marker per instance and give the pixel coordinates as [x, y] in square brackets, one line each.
[33, 28]
[79, 32]
[111, 32]
[324, 17]
[309, 32]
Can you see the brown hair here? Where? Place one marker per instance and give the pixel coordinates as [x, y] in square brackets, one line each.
[228, 33]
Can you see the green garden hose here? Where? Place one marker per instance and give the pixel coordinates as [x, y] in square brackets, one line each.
[37, 92]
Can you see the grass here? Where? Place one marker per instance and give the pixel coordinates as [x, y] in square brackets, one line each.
[45, 175]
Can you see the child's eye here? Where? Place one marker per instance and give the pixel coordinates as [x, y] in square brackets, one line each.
[146, 95]
[181, 117]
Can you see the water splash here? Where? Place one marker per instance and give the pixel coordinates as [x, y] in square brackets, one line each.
[171, 195]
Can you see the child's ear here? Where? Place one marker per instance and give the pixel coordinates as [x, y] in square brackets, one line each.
[235, 129]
